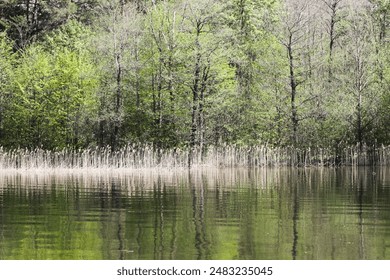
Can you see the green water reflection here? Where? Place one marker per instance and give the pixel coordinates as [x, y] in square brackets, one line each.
[202, 214]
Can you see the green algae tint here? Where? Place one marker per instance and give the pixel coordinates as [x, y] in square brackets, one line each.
[198, 214]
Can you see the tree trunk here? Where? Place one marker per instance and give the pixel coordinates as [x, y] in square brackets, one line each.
[293, 88]
[137, 89]
[195, 107]
[118, 101]
[359, 121]
[332, 24]
[119, 94]
[195, 95]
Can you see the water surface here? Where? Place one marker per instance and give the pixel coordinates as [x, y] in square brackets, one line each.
[198, 214]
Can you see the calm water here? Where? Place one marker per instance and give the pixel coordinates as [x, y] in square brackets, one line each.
[202, 214]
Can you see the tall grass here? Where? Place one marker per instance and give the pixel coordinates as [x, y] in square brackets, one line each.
[145, 156]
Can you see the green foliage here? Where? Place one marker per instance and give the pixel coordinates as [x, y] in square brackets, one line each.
[7, 60]
[184, 73]
[53, 98]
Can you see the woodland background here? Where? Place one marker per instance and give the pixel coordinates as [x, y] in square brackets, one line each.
[184, 73]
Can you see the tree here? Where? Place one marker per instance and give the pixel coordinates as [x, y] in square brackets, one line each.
[165, 89]
[74, 81]
[203, 51]
[117, 52]
[53, 94]
[332, 9]
[380, 14]
[360, 58]
[249, 45]
[294, 21]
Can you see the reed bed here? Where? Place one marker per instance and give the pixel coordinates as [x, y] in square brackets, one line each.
[145, 156]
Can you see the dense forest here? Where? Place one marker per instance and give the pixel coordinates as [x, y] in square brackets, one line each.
[80, 74]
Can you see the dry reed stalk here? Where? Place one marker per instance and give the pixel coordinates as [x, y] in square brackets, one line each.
[145, 156]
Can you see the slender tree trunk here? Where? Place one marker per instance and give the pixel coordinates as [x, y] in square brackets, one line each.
[359, 88]
[34, 20]
[159, 115]
[382, 40]
[359, 121]
[118, 101]
[195, 95]
[201, 117]
[137, 95]
[195, 107]
[119, 95]
[28, 12]
[359, 107]
[201, 123]
[170, 82]
[293, 88]
[333, 7]
[331, 40]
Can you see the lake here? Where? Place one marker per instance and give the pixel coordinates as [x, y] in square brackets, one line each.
[208, 213]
